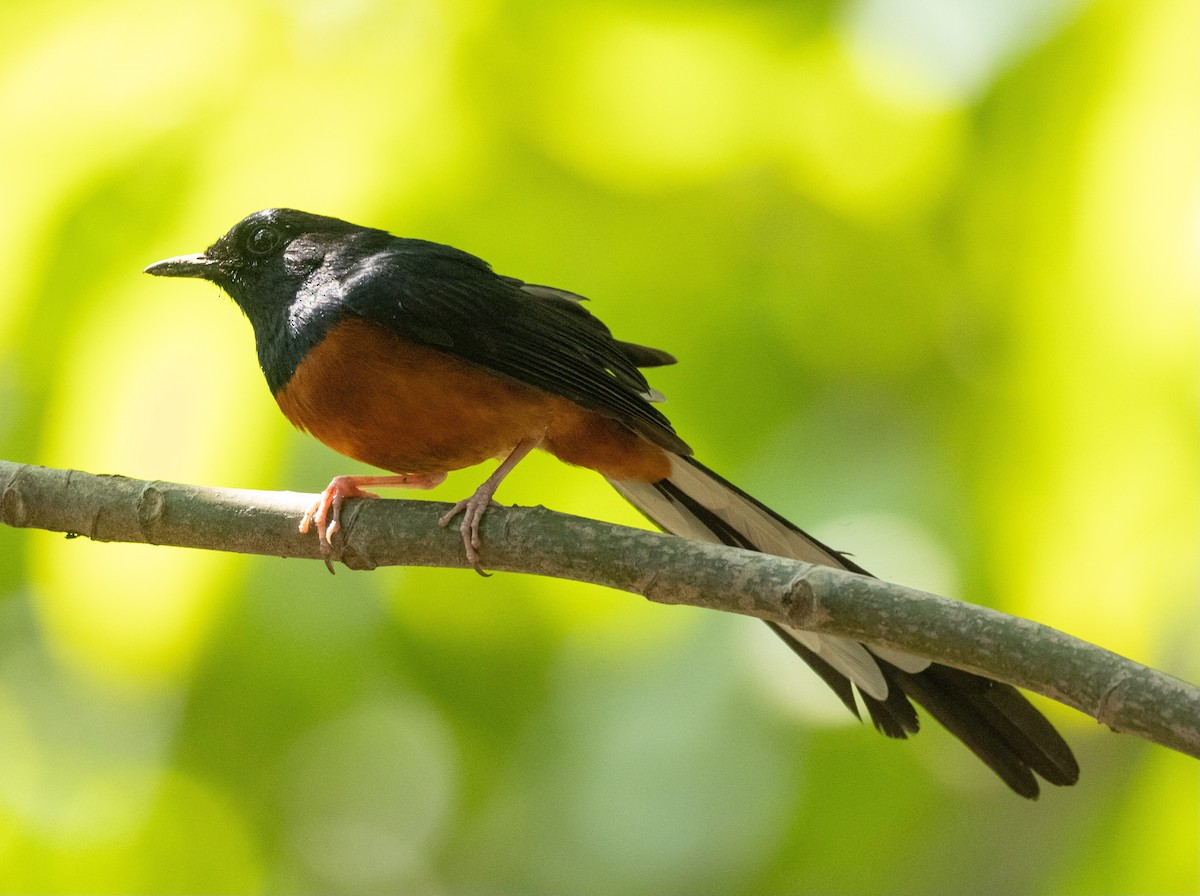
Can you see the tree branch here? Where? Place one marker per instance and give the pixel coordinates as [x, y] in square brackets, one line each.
[1124, 695]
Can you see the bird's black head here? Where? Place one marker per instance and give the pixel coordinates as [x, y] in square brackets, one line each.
[281, 266]
[266, 257]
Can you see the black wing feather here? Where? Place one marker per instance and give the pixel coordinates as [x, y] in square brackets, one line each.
[451, 300]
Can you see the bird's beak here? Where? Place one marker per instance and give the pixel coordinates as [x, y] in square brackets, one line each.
[184, 266]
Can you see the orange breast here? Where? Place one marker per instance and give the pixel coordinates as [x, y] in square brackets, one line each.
[404, 407]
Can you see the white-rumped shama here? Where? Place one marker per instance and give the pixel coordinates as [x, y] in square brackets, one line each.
[417, 358]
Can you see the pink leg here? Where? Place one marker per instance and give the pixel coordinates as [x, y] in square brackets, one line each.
[474, 507]
[328, 505]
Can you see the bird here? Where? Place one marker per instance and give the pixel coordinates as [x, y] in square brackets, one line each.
[416, 358]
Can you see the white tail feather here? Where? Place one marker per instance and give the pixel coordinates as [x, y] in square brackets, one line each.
[760, 529]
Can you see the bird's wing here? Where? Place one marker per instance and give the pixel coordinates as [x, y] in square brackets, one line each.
[448, 299]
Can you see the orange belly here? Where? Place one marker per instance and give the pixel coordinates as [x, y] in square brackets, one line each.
[404, 407]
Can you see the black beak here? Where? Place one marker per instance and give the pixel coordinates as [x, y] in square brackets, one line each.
[184, 266]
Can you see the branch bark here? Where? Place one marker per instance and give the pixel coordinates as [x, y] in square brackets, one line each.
[1124, 695]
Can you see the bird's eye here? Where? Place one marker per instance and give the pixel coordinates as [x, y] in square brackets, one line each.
[263, 241]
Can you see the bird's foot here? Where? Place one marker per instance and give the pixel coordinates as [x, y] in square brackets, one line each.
[472, 510]
[326, 512]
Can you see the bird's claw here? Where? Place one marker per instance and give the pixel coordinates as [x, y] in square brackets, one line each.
[472, 510]
[326, 514]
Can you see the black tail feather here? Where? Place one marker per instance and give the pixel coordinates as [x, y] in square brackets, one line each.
[994, 720]
[997, 724]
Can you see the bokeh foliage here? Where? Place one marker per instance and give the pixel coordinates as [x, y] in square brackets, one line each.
[931, 272]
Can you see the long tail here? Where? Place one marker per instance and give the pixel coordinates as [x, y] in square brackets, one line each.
[993, 719]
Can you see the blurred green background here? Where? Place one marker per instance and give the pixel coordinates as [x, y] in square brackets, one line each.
[931, 273]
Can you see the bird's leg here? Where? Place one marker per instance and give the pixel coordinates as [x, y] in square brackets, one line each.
[328, 506]
[474, 507]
